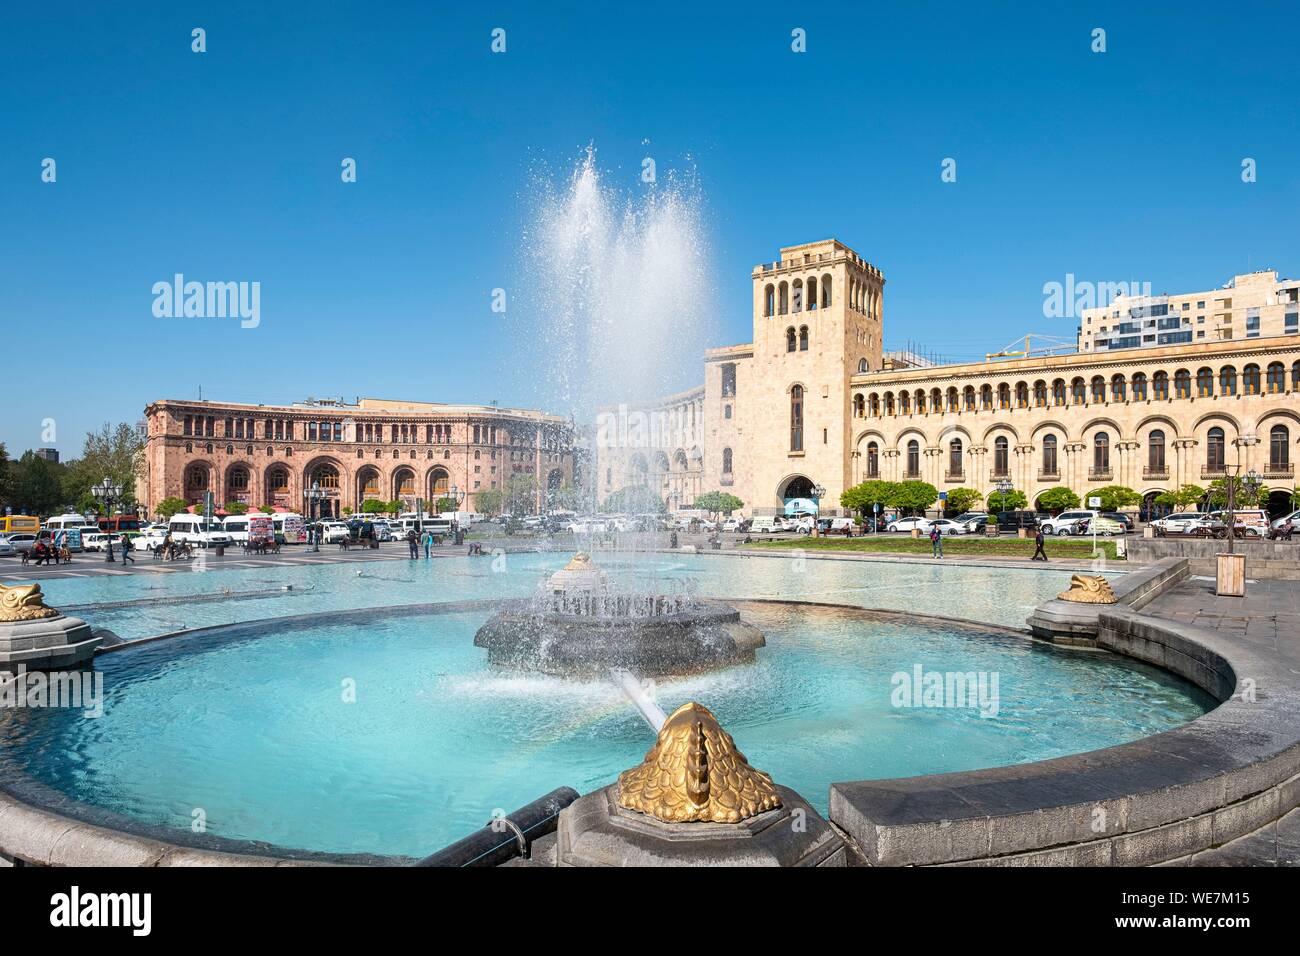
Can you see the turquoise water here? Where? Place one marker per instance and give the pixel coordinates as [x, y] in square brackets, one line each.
[990, 595]
[254, 730]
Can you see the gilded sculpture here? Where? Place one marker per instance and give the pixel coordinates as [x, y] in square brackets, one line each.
[23, 602]
[695, 773]
[1089, 589]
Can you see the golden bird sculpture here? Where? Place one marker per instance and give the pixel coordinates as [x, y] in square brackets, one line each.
[694, 772]
[1089, 589]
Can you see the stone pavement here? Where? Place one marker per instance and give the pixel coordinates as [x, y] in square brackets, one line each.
[1268, 616]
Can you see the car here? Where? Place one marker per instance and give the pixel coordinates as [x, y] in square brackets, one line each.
[1250, 523]
[6, 549]
[1293, 517]
[1103, 525]
[20, 542]
[731, 524]
[587, 526]
[973, 521]
[334, 532]
[1067, 522]
[1180, 522]
[150, 540]
[908, 524]
[768, 524]
[843, 525]
[1124, 519]
[947, 526]
[383, 530]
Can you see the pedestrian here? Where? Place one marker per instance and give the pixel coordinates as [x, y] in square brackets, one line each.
[126, 550]
[428, 543]
[936, 541]
[1039, 553]
[413, 543]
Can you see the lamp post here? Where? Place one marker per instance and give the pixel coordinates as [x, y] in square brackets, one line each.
[818, 493]
[313, 495]
[108, 492]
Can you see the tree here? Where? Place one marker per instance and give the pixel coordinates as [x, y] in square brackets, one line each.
[1216, 497]
[913, 495]
[490, 501]
[444, 504]
[112, 452]
[1012, 500]
[1058, 498]
[6, 478]
[718, 502]
[36, 485]
[962, 499]
[521, 494]
[1115, 497]
[864, 497]
[373, 506]
[636, 500]
[1184, 497]
[239, 508]
[266, 510]
[170, 506]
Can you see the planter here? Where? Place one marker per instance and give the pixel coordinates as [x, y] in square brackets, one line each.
[1230, 575]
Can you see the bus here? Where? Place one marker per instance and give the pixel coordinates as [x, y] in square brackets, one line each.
[119, 523]
[19, 524]
[289, 528]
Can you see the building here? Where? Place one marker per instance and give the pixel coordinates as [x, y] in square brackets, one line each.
[49, 454]
[812, 405]
[1252, 306]
[270, 455]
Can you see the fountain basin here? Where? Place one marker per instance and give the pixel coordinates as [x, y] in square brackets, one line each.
[572, 639]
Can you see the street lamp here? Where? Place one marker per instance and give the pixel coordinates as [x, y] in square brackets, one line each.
[818, 493]
[108, 492]
[314, 494]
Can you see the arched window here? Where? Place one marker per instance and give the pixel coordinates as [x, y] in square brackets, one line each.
[986, 397]
[1004, 395]
[1156, 452]
[726, 461]
[905, 402]
[826, 291]
[1049, 455]
[796, 296]
[1295, 376]
[1250, 379]
[954, 457]
[796, 418]
[873, 460]
[783, 299]
[863, 366]
[889, 402]
[1160, 386]
[913, 459]
[327, 476]
[859, 406]
[1040, 393]
[803, 338]
[1279, 448]
[1276, 378]
[875, 405]
[1098, 389]
[1078, 392]
[952, 399]
[1022, 395]
[769, 301]
[1204, 382]
[1117, 388]
[1214, 450]
[1139, 387]
[1182, 384]
[791, 342]
[1101, 452]
[1228, 380]
[936, 400]
[812, 293]
[968, 398]
[1001, 458]
[1058, 392]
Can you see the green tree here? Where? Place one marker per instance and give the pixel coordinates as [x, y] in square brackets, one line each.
[490, 501]
[170, 506]
[112, 452]
[864, 497]
[37, 488]
[913, 496]
[6, 478]
[1115, 497]
[1012, 500]
[636, 500]
[1058, 498]
[239, 508]
[521, 494]
[1184, 497]
[266, 510]
[718, 502]
[1216, 497]
[443, 505]
[373, 506]
[962, 499]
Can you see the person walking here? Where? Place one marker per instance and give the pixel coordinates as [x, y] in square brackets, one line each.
[936, 541]
[428, 543]
[413, 543]
[127, 549]
[1039, 553]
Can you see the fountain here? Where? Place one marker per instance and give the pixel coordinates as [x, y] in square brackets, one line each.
[580, 626]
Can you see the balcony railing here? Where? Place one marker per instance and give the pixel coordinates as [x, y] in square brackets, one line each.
[1001, 473]
[873, 473]
[911, 475]
[1159, 473]
[1052, 474]
[1100, 474]
[1214, 471]
[950, 475]
[1279, 470]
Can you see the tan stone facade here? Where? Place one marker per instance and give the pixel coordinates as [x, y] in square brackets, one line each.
[376, 449]
[809, 403]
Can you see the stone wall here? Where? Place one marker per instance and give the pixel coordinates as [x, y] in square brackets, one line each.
[1278, 560]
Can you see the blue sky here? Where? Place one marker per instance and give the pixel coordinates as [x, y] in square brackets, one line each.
[225, 166]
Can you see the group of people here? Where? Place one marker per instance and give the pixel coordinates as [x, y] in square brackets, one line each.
[52, 553]
[414, 540]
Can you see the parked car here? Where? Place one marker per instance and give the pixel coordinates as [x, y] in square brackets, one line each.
[1102, 525]
[6, 549]
[768, 524]
[587, 526]
[1293, 517]
[98, 541]
[1180, 522]
[1124, 519]
[20, 541]
[731, 524]
[332, 532]
[973, 521]
[841, 525]
[907, 524]
[151, 539]
[1067, 522]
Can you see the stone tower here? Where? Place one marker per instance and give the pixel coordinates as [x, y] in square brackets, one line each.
[817, 322]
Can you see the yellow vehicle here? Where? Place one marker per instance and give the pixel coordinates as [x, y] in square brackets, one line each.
[19, 524]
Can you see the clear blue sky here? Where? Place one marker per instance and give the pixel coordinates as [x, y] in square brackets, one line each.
[225, 166]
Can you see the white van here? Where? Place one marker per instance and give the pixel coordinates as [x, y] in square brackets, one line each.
[289, 527]
[438, 524]
[194, 529]
[237, 527]
[69, 522]
[768, 524]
